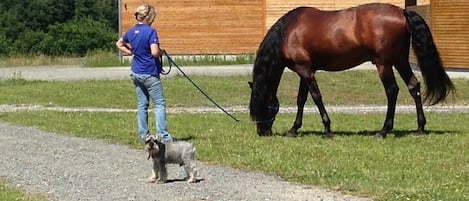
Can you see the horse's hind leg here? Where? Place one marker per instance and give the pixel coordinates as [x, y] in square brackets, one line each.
[386, 75]
[317, 97]
[414, 88]
[300, 101]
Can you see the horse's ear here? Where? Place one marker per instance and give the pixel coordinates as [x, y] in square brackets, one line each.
[250, 84]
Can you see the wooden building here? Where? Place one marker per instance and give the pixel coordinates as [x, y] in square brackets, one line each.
[204, 26]
[238, 26]
[276, 8]
[220, 26]
[449, 23]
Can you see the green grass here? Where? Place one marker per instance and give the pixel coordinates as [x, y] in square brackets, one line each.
[341, 88]
[8, 193]
[39, 60]
[103, 59]
[197, 60]
[402, 167]
[100, 58]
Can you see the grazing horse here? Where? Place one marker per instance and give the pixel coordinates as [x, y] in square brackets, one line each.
[307, 40]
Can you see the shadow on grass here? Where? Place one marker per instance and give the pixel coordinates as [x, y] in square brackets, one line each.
[395, 133]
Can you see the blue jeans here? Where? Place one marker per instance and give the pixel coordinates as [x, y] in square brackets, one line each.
[149, 86]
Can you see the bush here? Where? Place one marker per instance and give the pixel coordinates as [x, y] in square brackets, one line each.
[4, 45]
[78, 37]
[29, 42]
[57, 28]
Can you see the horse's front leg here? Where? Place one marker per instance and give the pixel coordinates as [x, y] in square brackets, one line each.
[300, 102]
[317, 97]
[392, 90]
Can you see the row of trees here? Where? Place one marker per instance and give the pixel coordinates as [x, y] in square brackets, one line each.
[57, 27]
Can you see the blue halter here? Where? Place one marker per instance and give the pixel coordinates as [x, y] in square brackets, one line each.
[274, 109]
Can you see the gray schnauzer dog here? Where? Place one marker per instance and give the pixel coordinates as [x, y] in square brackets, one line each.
[177, 152]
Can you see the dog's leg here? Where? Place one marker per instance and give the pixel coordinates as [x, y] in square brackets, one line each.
[163, 173]
[155, 175]
[188, 171]
[191, 173]
[189, 165]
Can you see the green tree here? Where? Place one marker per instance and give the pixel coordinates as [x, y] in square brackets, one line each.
[57, 26]
[39, 14]
[79, 36]
[4, 45]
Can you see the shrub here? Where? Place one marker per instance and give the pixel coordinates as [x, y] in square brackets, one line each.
[79, 36]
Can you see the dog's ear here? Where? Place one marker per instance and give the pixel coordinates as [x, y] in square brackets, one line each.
[148, 138]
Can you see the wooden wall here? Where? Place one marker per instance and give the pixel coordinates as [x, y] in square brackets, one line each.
[423, 2]
[450, 28]
[276, 8]
[204, 26]
[238, 26]
[221, 26]
[449, 23]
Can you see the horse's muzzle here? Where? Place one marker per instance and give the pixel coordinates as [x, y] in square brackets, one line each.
[264, 129]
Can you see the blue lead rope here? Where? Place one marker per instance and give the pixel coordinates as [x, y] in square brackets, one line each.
[171, 63]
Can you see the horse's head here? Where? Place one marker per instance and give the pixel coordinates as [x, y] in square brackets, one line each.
[263, 110]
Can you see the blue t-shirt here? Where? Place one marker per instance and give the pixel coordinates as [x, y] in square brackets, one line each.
[141, 36]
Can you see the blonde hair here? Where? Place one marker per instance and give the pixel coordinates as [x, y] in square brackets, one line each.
[145, 11]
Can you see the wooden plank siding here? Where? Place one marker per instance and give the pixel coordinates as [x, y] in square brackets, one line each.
[276, 8]
[450, 27]
[220, 26]
[204, 26]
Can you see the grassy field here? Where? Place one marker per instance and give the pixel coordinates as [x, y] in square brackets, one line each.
[340, 88]
[111, 58]
[401, 167]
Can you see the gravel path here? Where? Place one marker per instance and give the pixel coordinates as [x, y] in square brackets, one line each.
[352, 109]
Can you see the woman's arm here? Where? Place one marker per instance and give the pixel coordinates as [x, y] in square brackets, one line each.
[123, 47]
[156, 51]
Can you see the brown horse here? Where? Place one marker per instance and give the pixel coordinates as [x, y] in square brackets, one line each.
[307, 39]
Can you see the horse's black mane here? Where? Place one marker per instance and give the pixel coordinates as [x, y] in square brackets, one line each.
[269, 56]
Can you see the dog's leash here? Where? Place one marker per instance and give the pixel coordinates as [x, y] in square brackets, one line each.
[171, 63]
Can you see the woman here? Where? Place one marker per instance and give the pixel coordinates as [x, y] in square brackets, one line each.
[141, 41]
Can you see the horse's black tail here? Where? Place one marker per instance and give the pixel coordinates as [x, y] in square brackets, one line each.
[438, 84]
[268, 56]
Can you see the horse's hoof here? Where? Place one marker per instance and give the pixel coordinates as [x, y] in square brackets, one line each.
[421, 132]
[265, 134]
[327, 136]
[291, 133]
[380, 136]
